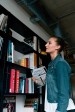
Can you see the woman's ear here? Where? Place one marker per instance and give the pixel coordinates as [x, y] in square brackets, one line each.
[58, 47]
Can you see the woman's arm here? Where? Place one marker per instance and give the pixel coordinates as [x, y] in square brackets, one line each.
[62, 76]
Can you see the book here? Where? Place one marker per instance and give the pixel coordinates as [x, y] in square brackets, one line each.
[32, 60]
[40, 75]
[5, 109]
[35, 43]
[10, 52]
[32, 41]
[26, 86]
[24, 62]
[9, 104]
[12, 81]
[32, 102]
[30, 85]
[28, 109]
[21, 85]
[3, 22]
[17, 81]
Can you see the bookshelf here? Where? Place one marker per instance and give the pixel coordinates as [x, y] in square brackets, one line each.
[22, 49]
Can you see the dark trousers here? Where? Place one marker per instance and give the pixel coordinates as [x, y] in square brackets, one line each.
[71, 110]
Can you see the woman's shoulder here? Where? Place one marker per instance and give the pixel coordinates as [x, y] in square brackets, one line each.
[63, 63]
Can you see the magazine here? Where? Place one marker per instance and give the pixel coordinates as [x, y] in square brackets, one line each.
[40, 75]
[9, 104]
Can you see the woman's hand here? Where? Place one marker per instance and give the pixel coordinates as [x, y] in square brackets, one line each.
[34, 79]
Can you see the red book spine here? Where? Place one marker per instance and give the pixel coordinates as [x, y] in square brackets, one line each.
[17, 81]
[27, 62]
[26, 86]
[12, 81]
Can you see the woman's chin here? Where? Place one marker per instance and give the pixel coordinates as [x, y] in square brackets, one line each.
[47, 51]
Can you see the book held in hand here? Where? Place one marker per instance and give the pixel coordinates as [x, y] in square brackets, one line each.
[40, 75]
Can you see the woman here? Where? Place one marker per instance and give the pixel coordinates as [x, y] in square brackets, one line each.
[57, 97]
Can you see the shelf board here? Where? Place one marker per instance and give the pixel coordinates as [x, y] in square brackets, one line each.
[27, 94]
[19, 46]
[16, 24]
[21, 68]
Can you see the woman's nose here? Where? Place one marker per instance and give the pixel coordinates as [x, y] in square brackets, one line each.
[45, 44]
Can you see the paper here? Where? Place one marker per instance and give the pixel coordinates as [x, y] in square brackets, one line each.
[40, 75]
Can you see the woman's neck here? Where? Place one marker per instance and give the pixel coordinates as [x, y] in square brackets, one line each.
[53, 55]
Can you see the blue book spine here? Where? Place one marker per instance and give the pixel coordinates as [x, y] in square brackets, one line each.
[21, 85]
[10, 51]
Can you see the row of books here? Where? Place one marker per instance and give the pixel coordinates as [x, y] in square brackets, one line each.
[26, 85]
[18, 83]
[32, 42]
[3, 22]
[30, 61]
[32, 102]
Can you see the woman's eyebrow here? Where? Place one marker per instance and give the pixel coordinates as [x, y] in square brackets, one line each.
[49, 41]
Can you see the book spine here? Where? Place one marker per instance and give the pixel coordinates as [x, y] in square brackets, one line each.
[34, 42]
[5, 110]
[12, 81]
[27, 62]
[10, 52]
[3, 22]
[30, 86]
[26, 86]
[17, 81]
[22, 85]
[22, 62]
[33, 60]
[9, 104]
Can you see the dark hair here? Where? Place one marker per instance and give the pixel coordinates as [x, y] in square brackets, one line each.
[60, 41]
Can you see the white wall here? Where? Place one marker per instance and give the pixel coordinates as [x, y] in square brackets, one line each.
[20, 103]
[23, 16]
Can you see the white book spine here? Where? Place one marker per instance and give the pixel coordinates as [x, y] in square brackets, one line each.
[3, 22]
[28, 109]
[1, 18]
[34, 42]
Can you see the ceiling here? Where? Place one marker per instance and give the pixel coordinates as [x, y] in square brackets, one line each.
[64, 12]
[54, 12]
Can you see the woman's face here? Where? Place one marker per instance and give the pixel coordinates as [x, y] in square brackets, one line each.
[52, 45]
